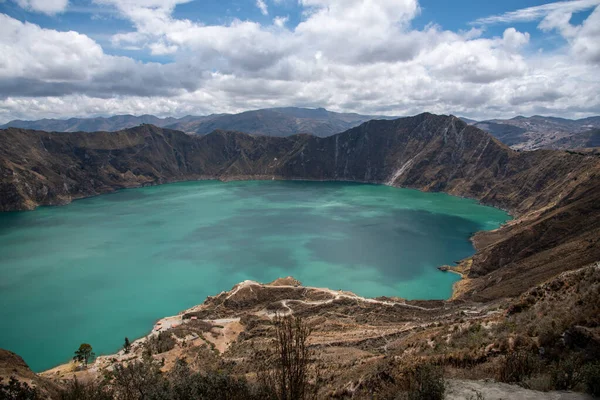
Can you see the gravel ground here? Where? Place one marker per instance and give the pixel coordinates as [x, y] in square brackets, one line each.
[490, 390]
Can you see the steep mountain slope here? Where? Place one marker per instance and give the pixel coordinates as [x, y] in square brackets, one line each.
[555, 195]
[540, 132]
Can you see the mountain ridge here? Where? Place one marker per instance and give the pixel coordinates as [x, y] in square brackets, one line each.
[282, 121]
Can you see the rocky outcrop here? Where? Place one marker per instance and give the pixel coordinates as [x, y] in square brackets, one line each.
[554, 195]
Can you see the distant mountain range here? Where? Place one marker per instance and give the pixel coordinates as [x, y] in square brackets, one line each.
[538, 132]
[272, 122]
[520, 133]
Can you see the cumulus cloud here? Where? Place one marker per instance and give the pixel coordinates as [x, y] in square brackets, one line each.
[44, 6]
[584, 38]
[45, 62]
[346, 55]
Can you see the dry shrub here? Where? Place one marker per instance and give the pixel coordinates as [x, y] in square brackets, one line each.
[403, 382]
[425, 382]
[285, 370]
[516, 366]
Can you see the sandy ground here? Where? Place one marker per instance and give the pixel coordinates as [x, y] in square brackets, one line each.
[222, 338]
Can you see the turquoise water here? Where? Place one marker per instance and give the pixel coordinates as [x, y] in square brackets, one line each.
[107, 267]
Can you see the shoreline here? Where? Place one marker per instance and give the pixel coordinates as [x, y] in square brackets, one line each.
[454, 285]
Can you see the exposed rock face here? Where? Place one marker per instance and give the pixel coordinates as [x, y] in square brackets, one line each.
[556, 195]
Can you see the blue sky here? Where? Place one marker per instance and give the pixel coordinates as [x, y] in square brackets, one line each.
[172, 57]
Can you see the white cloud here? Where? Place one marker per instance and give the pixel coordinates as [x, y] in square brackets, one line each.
[262, 6]
[346, 55]
[44, 6]
[44, 62]
[538, 12]
[584, 39]
[514, 39]
[280, 21]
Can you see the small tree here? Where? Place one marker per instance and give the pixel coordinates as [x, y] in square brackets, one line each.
[286, 371]
[84, 354]
[127, 346]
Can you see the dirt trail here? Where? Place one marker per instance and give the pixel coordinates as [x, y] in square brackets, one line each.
[337, 295]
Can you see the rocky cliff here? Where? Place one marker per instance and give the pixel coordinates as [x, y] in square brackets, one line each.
[554, 195]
